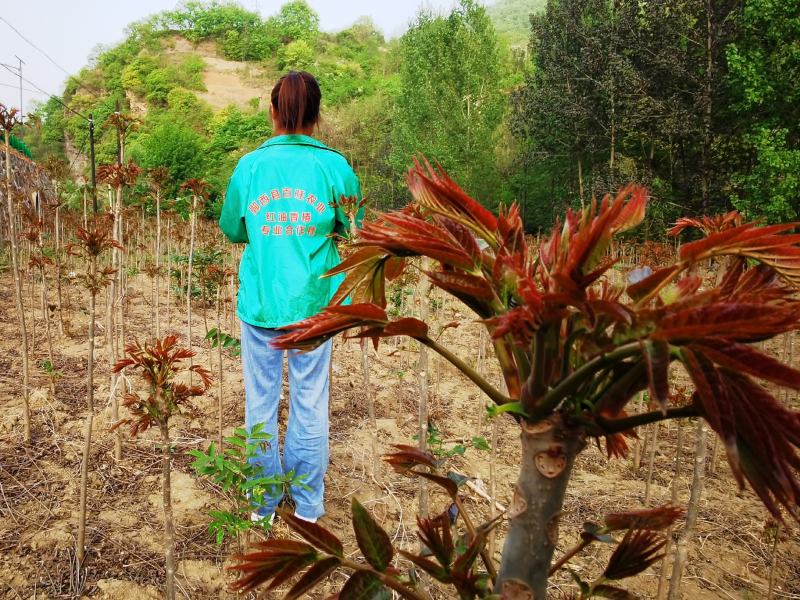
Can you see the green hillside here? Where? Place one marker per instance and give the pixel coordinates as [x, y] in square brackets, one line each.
[511, 19]
[198, 78]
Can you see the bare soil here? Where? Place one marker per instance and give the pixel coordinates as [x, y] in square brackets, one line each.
[227, 82]
[729, 558]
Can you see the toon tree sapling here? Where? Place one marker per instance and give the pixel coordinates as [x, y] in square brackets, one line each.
[575, 348]
[160, 365]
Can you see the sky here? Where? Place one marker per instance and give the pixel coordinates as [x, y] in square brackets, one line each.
[69, 30]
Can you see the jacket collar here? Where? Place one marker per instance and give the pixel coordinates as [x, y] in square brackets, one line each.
[293, 139]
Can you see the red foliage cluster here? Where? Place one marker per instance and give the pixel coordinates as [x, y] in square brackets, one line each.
[159, 364]
[569, 339]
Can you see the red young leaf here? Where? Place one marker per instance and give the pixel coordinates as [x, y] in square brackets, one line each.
[408, 326]
[313, 533]
[637, 551]
[613, 593]
[450, 486]
[373, 541]
[435, 534]
[408, 457]
[472, 290]
[312, 577]
[747, 359]
[736, 321]
[436, 192]
[654, 519]
[435, 570]
[404, 234]
[274, 559]
[363, 585]
[647, 286]
[761, 436]
[770, 245]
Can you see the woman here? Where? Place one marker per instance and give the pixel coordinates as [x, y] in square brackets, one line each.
[281, 203]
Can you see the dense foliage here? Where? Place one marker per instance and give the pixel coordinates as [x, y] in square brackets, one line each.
[695, 99]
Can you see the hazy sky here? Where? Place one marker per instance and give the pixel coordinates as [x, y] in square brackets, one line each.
[68, 31]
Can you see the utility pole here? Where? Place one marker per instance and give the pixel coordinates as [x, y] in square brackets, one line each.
[19, 71]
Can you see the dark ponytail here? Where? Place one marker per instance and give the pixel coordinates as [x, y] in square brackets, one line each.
[295, 100]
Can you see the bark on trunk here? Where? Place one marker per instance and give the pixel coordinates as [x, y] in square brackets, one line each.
[693, 508]
[219, 357]
[192, 218]
[549, 449]
[158, 264]
[58, 271]
[422, 375]
[87, 445]
[116, 299]
[169, 532]
[12, 237]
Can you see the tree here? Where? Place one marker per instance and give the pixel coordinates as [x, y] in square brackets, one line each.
[450, 104]
[766, 101]
[172, 144]
[160, 364]
[622, 90]
[560, 114]
[297, 55]
[574, 349]
[295, 20]
[8, 120]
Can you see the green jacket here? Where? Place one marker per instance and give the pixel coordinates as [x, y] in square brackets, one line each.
[280, 202]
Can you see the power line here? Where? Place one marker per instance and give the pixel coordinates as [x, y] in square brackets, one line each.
[45, 54]
[16, 87]
[54, 97]
[48, 57]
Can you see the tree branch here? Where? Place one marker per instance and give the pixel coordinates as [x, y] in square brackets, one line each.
[497, 397]
[626, 423]
[568, 385]
[405, 590]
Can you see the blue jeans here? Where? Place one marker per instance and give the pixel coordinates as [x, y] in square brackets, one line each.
[306, 446]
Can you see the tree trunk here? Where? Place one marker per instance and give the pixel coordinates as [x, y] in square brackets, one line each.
[12, 236]
[219, 360]
[662, 578]
[422, 375]
[651, 459]
[58, 271]
[192, 218]
[549, 449]
[46, 315]
[92, 319]
[707, 110]
[169, 275]
[158, 263]
[116, 299]
[375, 463]
[87, 445]
[682, 549]
[169, 531]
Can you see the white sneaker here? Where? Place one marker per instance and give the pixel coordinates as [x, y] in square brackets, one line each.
[257, 518]
[306, 519]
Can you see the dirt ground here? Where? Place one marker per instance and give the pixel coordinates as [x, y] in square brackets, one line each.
[729, 558]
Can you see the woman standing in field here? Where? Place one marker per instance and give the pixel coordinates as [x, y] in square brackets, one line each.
[282, 202]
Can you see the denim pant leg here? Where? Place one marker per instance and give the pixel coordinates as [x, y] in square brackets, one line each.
[306, 446]
[262, 366]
